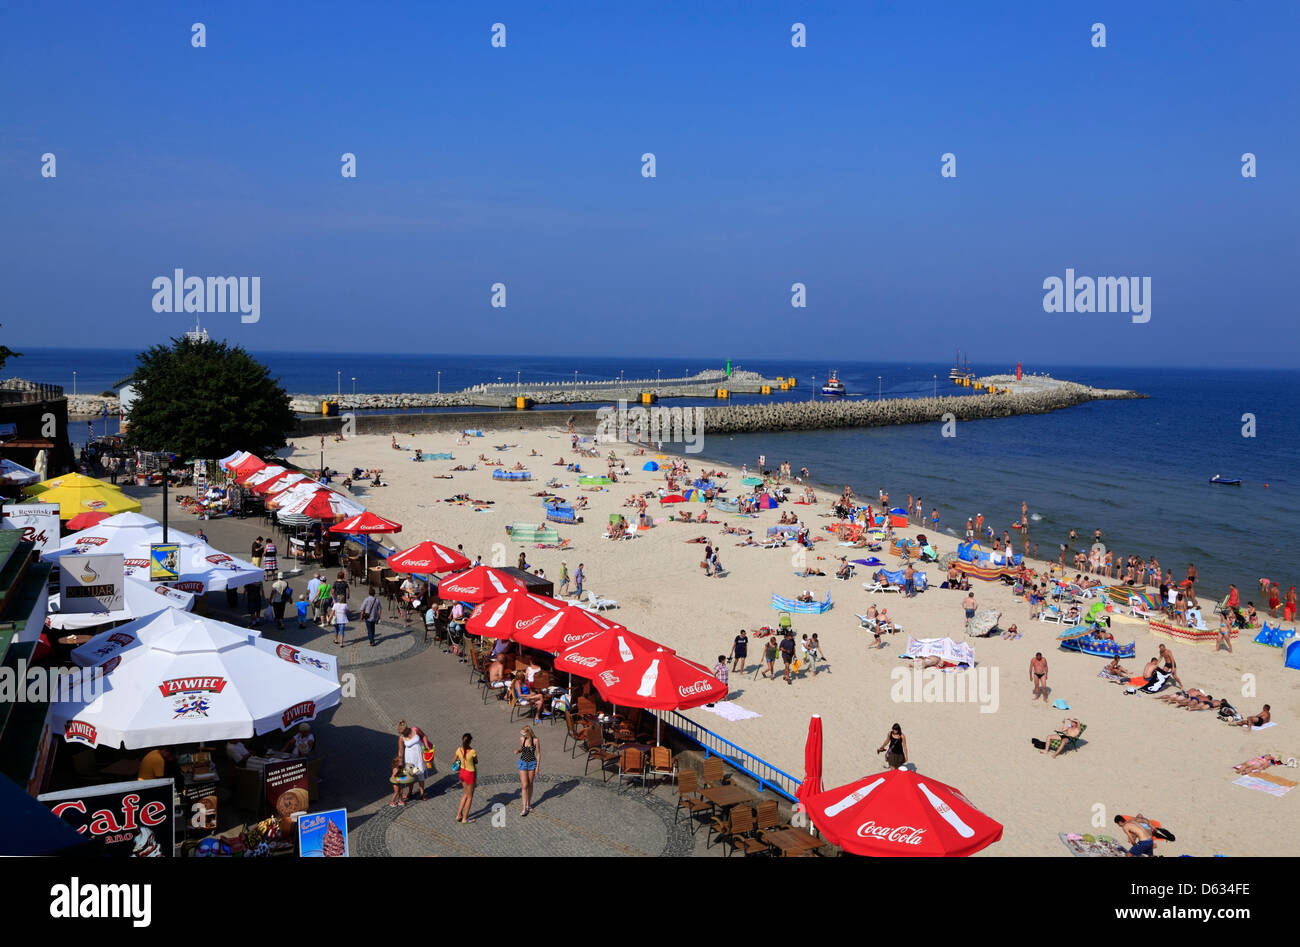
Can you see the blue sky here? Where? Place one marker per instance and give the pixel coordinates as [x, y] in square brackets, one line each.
[774, 165]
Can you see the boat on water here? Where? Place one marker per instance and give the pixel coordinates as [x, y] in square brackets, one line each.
[834, 388]
[1224, 482]
[961, 369]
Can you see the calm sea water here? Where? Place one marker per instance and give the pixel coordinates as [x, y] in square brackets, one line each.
[1139, 470]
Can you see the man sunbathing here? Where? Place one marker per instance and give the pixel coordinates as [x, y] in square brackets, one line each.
[1183, 698]
[1118, 669]
[806, 596]
[1209, 703]
[1257, 720]
[844, 571]
[749, 541]
[1069, 728]
[884, 623]
[810, 571]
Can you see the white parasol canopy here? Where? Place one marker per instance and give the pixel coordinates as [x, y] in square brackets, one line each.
[139, 598]
[196, 679]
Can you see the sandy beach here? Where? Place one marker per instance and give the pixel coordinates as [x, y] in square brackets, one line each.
[1138, 754]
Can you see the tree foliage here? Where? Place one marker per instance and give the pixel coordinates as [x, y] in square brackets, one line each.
[205, 399]
[7, 353]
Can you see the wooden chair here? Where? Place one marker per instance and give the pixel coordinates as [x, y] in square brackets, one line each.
[631, 765]
[688, 798]
[574, 732]
[711, 772]
[586, 707]
[598, 750]
[661, 764]
[767, 818]
[741, 836]
[356, 570]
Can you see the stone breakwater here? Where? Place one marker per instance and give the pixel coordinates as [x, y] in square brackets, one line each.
[815, 415]
[86, 406]
[310, 404]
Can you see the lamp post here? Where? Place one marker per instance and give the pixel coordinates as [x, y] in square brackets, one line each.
[439, 382]
[936, 385]
[74, 384]
[354, 387]
[517, 382]
[339, 396]
[877, 387]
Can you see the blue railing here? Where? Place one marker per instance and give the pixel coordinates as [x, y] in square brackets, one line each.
[767, 775]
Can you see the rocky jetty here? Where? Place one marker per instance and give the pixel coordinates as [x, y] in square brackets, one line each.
[814, 415]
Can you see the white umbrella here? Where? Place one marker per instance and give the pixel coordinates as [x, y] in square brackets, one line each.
[141, 631]
[198, 680]
[16, 474]
[139, 599]
[319, 505]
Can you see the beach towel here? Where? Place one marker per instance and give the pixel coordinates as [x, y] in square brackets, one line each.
[730, 711]
[1261, 785]
[1087, 846]
[1279, 780]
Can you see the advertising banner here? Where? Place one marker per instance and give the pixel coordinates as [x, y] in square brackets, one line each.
[91, 583]
[323, 834]
[163, 562]
[127, 820]
[38, 521]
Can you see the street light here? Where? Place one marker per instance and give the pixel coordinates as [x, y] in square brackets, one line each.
[340, 391]
[936, 385]
[74, 384]
[517, 374]
[877, 387]
[354, 386]
[439, 382]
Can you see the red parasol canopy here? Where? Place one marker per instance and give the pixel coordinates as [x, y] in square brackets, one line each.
[277, 482]
[366, 522]
[617, 646]
[658, 680]
[572, 625]
[86, 520]
[427, 557]
[324, 504]
[900, 812]
[246, 468]
[475, 585]
[516, 612]
[812, 762]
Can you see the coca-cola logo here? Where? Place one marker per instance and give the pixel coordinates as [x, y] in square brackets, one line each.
[526, 623]
[609, 678]
[698, 687]
[582, 661]
[574, 639]
[416, 563]
[79, 730]
[91, 540]
[900, 834]
[466, 589]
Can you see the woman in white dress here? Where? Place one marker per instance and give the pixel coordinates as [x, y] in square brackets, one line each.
[412, 743]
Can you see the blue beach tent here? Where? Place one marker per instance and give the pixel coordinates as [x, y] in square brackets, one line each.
[1293, 654]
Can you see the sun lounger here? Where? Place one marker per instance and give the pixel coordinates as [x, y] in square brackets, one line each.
[1072, 743]
[873, 587]
[595, 603]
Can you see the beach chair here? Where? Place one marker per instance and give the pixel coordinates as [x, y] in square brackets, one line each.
[1137, 608]
[596, 603]
[1072, 743]
[688, 798]
[865, 622]
[875, 586]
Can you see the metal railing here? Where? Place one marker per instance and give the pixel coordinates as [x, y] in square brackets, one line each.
[767, 775]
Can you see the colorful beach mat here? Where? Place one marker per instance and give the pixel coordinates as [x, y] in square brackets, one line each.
[1261, 785]
[1088, 846]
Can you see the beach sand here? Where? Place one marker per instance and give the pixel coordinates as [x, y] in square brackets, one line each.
[1138, 754]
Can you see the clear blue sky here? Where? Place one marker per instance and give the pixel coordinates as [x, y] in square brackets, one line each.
[775, 165]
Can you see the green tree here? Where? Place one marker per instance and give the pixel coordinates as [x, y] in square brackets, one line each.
[7, 353]
[206, 399]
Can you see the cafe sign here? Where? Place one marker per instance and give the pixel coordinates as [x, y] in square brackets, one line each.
[91, 583]
[129, 819]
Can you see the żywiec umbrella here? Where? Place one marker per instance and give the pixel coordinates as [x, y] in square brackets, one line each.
[196, 679]
[900, 812]
[140, 598]
[812, 762]
[365, 524]
[427, 557]
[475, 585]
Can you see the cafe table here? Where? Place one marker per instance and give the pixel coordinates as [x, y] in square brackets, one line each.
[792, 840]
[724, 797]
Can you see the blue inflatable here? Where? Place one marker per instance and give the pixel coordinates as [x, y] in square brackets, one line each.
[1293, 654]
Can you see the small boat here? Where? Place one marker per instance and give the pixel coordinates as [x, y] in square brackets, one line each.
[960, 370]
[834, 388]
[1224, 483]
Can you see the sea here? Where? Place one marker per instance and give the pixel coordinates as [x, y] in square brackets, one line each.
[1139, 470]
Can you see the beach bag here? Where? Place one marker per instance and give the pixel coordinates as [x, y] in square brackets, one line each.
[455, 764]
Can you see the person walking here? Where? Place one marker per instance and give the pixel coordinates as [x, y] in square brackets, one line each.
[279, 596]
[739, 651]
[339, 614]
[814, 653]
[270, 561]
[578, 578]
[371, 612]
[321, 603]
[412, 742]
[968, 605]
[253, 595]
[564, 578]
[769, 657]
[787, 654]
[529, 752]
[465, 765]
[258, 546]
[896, 745]
[720, 672]
[708, 559]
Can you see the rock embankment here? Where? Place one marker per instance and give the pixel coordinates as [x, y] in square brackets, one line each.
[813, 415]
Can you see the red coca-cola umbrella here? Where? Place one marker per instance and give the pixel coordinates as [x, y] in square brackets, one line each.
[87, 520]
[427, 557]
[479, 584]
[812, 762]
[571, 625]
[659, 680]
[364, 523]
[616, 647]
[900, 812]
[515, 612]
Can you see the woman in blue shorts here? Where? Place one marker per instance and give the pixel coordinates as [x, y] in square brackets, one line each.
[530, 755]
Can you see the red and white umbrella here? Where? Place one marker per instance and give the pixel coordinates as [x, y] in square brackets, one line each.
[245, 467]
[616, 647]
[508, 615]
[321, 504]
[476, 585]
[366, 522]
[900, 812]
[277, 485]
[427, 557]
[659, 680]
[261, 475]
[812, 762]
[570, 625]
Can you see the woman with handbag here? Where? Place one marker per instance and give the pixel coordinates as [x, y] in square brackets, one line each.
[465, 765]
[412, 742]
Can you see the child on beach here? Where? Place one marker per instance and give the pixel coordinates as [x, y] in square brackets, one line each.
[400, 781]
[301, 606]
